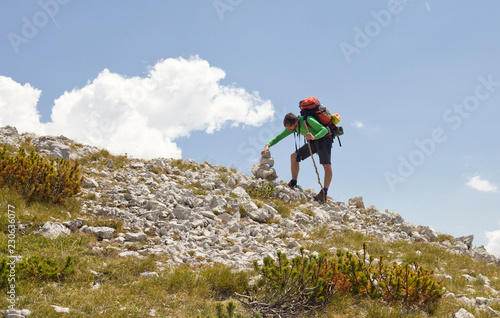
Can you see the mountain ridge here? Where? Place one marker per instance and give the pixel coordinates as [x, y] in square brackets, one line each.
[202, 213]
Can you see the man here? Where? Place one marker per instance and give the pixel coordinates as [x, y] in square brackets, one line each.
[319, 138]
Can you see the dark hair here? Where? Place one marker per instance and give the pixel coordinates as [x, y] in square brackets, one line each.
[290, 119]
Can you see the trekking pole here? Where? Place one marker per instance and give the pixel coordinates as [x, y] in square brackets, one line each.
[310, 151]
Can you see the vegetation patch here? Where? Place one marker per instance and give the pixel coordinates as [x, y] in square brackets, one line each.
[39, 179]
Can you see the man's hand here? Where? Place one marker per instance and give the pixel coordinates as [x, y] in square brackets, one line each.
[266, 149]
[310, 136]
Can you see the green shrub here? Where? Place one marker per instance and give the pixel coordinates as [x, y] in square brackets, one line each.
[37, 178]
[4, 272]
[294, 289]
[265, 191]
[307, 284]
[35, 267]
[46, 268]
[408, 284]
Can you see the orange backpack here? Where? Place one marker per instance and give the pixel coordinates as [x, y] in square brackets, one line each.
[312, 107]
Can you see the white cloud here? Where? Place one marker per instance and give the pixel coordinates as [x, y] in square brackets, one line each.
[427, 6]
[493, 245]
[18, 105]
[143, 116]
[479, 184]
[358, 124]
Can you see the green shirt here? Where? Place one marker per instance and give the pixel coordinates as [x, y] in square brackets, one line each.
[317, 129]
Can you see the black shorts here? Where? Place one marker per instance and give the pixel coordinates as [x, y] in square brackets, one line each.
[322, 146]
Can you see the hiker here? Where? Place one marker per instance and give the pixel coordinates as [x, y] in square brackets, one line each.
[320, 141]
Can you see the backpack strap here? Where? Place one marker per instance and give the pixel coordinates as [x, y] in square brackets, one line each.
[295, 137]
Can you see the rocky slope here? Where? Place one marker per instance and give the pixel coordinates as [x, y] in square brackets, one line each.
[200, 213]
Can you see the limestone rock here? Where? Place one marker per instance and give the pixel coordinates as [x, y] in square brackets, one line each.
[467, 240]
[263, 169]
[149, 274]
[60, 309]
[429, 232]
[15, 313]
[182, 213]
[52, 230]
[110, 164]
[462, 313]
[357, 202]
[135, 237]
[101, 232]
[53, 147]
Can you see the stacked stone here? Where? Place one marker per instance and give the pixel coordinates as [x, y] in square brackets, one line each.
[264, 169]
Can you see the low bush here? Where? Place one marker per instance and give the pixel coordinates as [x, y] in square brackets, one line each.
[409, 284]
[35, 267]
[308, 283]
[295, 288]
[264, 191]
[37, 178]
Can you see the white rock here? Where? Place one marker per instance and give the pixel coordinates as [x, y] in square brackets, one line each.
[240, 192]
[135, 237]
[130, 254]
[15, 313]
[468, 278]
[249, 206]
[89, 183]
[77, 224]
[60, 309]
[101, 232]
[258, 215]
[292, 244]
[462, 313]
[267, 161]
[182, 213]
[467, 240]
[429, 232]
[149, 274]
[52, 230]
[226, 218]
[357, 202]
[263, 171]
[481, 301]
[52, 146]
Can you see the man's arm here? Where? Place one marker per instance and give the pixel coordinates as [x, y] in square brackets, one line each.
[276, 139]
[321, 130]
[283, 134]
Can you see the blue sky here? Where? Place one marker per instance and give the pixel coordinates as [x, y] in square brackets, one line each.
[417, 85]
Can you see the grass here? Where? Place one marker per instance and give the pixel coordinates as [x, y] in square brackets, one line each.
[197, 188]
[36, 213]
[101, 158]
[183, 165]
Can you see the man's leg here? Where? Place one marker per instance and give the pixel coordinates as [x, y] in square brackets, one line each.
[294, 165]
[325, 160]
[328, 175]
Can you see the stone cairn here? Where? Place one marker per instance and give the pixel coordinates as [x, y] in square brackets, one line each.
[264, 169]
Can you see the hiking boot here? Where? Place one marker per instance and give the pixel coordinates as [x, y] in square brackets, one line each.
[321, 197]
[292, 185]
